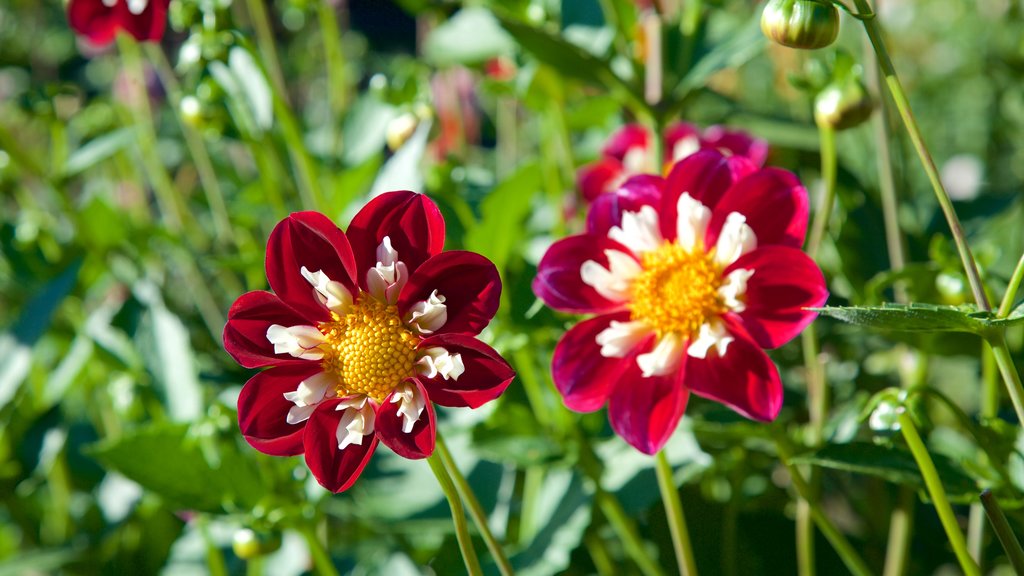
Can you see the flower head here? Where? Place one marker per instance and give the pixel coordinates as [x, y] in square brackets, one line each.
[628, 153]
[365, 331]
[100, 20]
[690, 277]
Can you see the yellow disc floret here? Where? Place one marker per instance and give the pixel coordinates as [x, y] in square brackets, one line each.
[369, 349]
[677, 290]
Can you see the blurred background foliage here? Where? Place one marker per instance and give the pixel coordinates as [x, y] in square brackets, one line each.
[131, 219]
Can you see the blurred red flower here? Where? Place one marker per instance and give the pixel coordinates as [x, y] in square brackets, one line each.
[364, 331]
[99, 20]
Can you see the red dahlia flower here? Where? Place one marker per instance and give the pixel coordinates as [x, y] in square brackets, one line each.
[628, 153]
[364, 330]
[690, 278]
[100, 20]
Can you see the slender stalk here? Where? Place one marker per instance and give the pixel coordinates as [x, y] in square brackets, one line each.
[307, 179]
[1001, 353]
[847, 553]
[334, 58]
[214, 558]
[254, 566]
[1011, 290]
[938, 494]
[676, 520]
[322, 563]
[1003, 531]
[476, 511]
[827, 137]
[989, 408]
[265, 41]
[626, 530]
[603, 562]
[899, 97]
[901, 524]
[458, 515]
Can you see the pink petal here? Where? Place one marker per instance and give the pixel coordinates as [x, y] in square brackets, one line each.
[417, 443]
[737, 142]
[645, 411]
[744, 379]
[310, 240]
[606, 211]
[487, 374]
[245, 335]
[469, 283]
[705, 176]
[582, 375]
[599, 177]
[676, 132]
[412, 222]
[785, 282]
[775, 204]
[262, 410]
[334, 469]
[558, 282]
[627, 138]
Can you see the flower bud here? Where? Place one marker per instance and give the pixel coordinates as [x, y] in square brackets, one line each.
[842, 104]
[400, 129]
[808, 24]
[248, 543]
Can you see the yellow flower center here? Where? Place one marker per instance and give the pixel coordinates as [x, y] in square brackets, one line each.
[369, 349]
[677, 291]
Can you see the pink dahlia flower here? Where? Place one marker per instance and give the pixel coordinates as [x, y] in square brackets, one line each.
[628, 153]
[364, 331]
[690, 278]
[100, 20]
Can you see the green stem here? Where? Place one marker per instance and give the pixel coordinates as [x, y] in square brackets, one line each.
[307, 180]
[334, 57]
[322, 563]
[1011, 290]
[854, 563]
[476, 511]
[458, 515]
[676, 521]
[989, 409]
[823, 214]
[214, 558]
[1003, 531]
[265, 40]
[254, 566]
[626, 530]
[899, 97]
[938, 494]
[901, 525]
[1001, 353]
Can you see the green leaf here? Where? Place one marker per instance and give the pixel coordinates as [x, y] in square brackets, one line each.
[564, 514]
[893, 464]
[473, 35]
[917, 317]
[167, 353]
[37, 562]
[503, 213]
[97, 150]
[736, 50]
[365, 130]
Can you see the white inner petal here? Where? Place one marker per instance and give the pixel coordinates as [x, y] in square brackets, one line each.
[137, 6]
[356, 422]
[734, 288]
[331, 293]
[638, 231]
[388, 277]
[619, 338]
[109, 3]
[410, 404]
[713, 339]
[636, 160]
[735, 239]
[685, 147]
[691, 221]
[665, 357]
[613, 282]
[428, 316]
[438, 361]
[311, 390]
[299, 341]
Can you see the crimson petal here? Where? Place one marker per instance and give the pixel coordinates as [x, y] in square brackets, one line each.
[646, 410]
[100, 23]
[416, 444]
[606, 211]
[736, 142]
[412, 222]
[706, 176]
[598, 177]
[469, 283]
[487, 374]
[625, 139]
[245, 335]
[785, 283]
[334, 469]
[744, 379]
[774, 203]
[262, 410]
[558, 282]
[310, 240]
[582, 375]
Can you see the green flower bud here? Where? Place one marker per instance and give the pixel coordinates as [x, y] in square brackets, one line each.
[808, 24]
[249, 543]
[842, 104]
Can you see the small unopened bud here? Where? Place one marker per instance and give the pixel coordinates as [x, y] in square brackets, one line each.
[807, 24]
[400, 129]
[248, 543]
[843, 104]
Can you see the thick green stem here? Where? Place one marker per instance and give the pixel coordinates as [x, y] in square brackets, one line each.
[676, 520]
[458, 515]
[1001, 353]
[322, 563]
[1011, 290]
[938, 494]
[903, 105]
[476, 511]
[1003, 531]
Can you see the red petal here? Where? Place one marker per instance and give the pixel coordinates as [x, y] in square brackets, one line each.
[625, 139]
[705, 176]
[646, 410]
[676, 132]
[775, 204]
[262, 410]
[412, 222]
[334, 469]
[737, 142]
[745, 379]
[417, 443]
[599, 178]
[487, 374]
[558, 282]
[469, 283]
[90, 18]
[245, 335]
[307, 239]
[785, 282]
[606, 211]
[582, 375]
